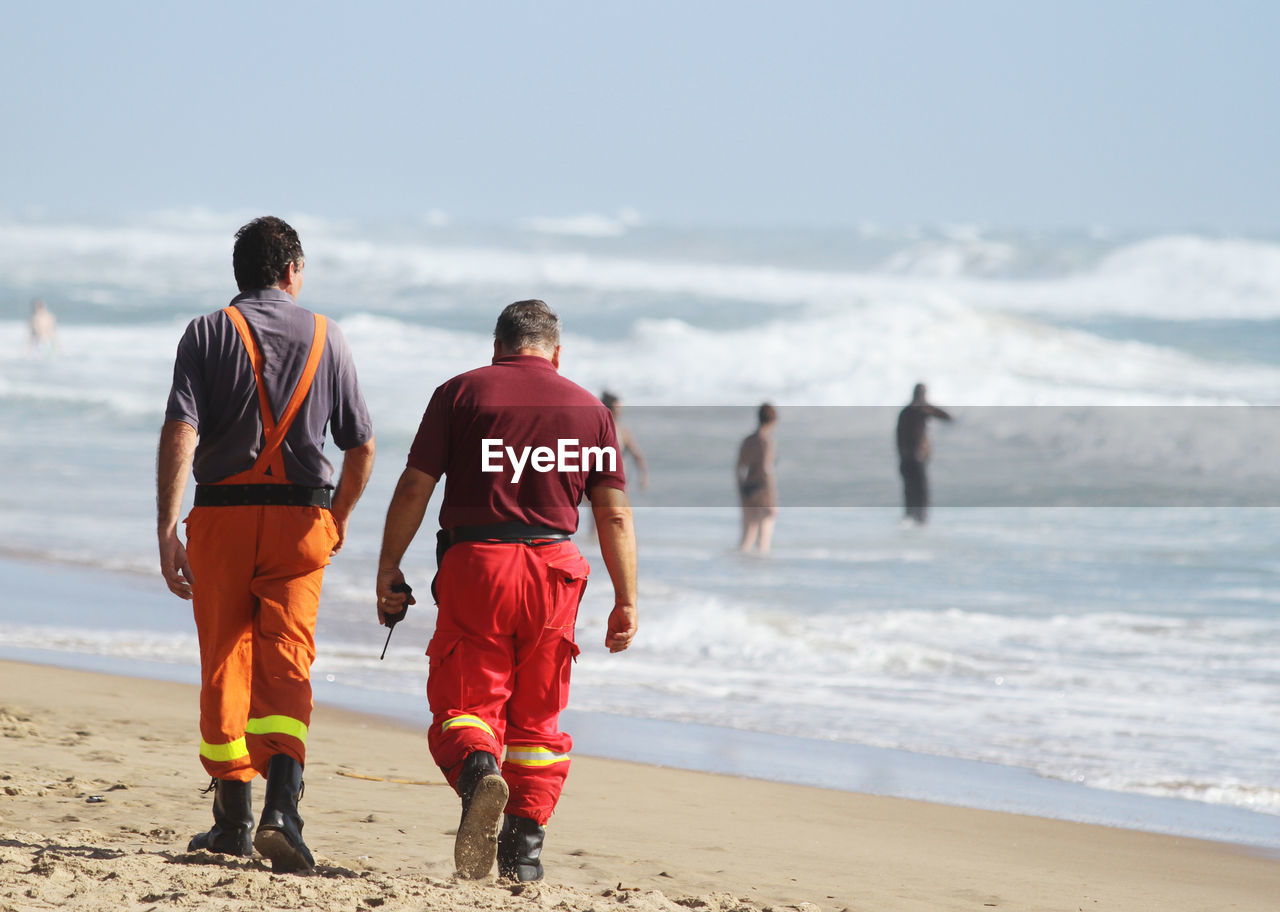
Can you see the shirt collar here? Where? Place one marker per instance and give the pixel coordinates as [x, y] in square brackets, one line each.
[264, 296]
[534, 361]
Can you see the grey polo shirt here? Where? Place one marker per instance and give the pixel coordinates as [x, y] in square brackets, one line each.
[215, 392]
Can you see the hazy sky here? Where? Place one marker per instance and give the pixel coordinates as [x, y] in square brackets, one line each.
[1016, 113]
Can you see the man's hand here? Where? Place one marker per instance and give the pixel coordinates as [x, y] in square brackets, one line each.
[173, 465]
[404, 515]
[339, 524]
[622, 627]
[390, 602]
[174, 566]
[357, 466]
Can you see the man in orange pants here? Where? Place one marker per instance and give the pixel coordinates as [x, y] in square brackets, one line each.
[520, 445]
[257, 383]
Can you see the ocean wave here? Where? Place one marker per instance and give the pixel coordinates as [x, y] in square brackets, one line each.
[1177, 278]
[173, 255]
[1081, 697]
[862, 356]
[586, 225]
[141, 645]
[962, 251]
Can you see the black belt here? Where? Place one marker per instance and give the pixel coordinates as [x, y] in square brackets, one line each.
[507, 532]
[271, 495]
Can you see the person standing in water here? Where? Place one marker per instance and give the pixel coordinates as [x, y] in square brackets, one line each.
[757, 485]
[626, 439]
[44, 329]
[914, 450]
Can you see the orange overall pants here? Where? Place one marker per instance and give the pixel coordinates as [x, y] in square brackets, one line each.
[500, 661]
[257, 572]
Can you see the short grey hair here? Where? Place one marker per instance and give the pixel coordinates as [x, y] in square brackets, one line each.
[528, 324]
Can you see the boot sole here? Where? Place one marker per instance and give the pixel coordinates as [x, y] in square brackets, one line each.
[199, 844]
[476, 848]
[285, 857]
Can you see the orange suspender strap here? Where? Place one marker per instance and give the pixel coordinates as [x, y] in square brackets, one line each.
[274, 431]
[255, 359]
[304, 383]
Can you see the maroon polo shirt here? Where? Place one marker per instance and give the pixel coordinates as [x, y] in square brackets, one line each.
[516, 442]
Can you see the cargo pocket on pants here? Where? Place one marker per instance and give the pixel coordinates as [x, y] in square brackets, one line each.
[566, 653]
[568, 581]
[570, 568]
[445, 679]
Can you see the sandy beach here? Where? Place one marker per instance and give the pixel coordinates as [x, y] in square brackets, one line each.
[100, 791]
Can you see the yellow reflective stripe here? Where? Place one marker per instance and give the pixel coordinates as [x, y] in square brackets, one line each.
[277, 725]
[224, 753]
[534, 756]
[466, 722]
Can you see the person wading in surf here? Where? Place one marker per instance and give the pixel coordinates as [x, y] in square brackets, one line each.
[757, 484]
[914, 450]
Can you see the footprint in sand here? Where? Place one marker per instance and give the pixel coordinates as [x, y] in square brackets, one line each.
[15, 723]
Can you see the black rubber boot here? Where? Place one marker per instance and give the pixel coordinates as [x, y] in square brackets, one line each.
[232, 830]
[484, 795]
[280, 829]
[520, 849]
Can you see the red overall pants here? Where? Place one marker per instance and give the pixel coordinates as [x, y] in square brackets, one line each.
[500, 661]
[257, 572]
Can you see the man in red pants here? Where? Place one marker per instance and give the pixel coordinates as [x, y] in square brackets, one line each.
[520, 446]
[257, 383]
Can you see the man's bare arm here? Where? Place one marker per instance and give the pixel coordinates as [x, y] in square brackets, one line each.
[612, 512]
[741, 468]
[173, 465]
[404, 516]
[357, 466]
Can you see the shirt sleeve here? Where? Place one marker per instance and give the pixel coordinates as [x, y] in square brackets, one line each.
[349, 423]
[430, 450]
[187, 394]
[601, 474]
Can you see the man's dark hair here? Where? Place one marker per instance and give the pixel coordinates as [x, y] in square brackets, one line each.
[609, 400]
[528, 324]
[767, 414]
[264, 249]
